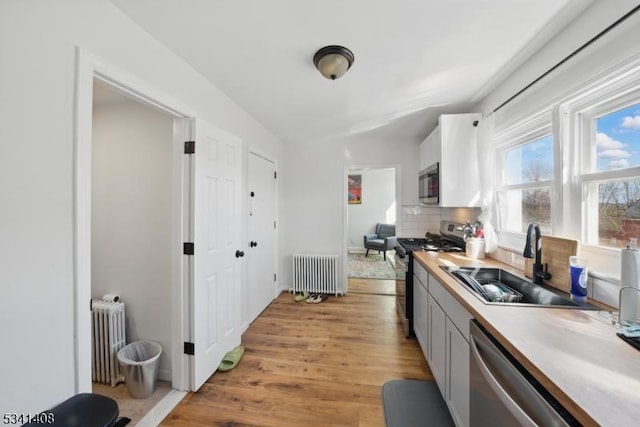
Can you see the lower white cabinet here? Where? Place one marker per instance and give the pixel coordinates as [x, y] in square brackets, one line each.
[444, 324]
[421, 314]
[438, 344]
[457, 394]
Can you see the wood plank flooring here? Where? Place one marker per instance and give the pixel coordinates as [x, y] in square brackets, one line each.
[372, 286]
[310, 365]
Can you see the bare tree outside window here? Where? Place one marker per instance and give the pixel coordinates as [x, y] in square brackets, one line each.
[619, 212]
[526, 164]
[537, 203]
[618, 147]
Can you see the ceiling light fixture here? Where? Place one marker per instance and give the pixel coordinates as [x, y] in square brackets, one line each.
[333, 61]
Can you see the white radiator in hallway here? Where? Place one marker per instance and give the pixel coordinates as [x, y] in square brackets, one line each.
[107, 337]
[315, 273]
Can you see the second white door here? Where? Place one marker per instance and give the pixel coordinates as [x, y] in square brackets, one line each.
[261, 257]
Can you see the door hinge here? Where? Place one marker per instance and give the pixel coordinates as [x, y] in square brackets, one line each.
[274, 277]
[188, 248]
[274, 225]
[275, 175]
[189, 348]
[189, 147]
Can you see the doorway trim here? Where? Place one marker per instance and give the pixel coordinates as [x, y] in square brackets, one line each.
[345, 217]
[88, 68]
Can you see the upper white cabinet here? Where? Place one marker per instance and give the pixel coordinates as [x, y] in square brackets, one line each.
[453, 144]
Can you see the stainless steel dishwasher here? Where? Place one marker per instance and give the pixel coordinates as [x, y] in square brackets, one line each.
[503, 393]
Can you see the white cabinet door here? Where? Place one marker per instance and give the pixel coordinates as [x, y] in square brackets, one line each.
[422, 155]
[438, 344]
[430, 150]
[459, 176]
[421, 315]
[457, 396]
[434, 150]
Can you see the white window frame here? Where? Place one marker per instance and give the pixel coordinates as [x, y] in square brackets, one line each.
[582, 113]
[569, 111]
[535, 127]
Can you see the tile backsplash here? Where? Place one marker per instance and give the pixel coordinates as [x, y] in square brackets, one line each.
[416, 220]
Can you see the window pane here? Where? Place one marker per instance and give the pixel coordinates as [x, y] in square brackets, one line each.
[530, 162]
[618, 139]
[519, 208]
[619, 212]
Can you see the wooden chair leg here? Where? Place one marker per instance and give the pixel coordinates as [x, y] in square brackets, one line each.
[367, 254]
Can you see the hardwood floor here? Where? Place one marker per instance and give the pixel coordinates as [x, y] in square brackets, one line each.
[372, 286]
[310, 365]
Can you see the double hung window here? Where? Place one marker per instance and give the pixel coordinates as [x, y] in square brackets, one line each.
[610, 172]
[526, 176]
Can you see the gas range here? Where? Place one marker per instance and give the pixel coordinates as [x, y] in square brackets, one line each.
[450, 239]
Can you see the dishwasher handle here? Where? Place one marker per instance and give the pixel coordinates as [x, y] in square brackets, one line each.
[513, 407]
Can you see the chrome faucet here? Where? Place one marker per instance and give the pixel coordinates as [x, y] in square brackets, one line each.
[540, 272]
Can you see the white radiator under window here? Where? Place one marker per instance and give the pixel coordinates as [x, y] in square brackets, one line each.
[315, 273]
[107, 337]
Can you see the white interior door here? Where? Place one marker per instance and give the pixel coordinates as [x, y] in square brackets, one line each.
[262, 234]
[217, 247]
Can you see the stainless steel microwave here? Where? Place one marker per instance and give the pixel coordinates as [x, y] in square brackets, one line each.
[429, 185]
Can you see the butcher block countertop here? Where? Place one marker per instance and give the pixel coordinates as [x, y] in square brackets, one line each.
[574, 354]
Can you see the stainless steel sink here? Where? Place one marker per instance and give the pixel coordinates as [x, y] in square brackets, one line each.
[499, 287]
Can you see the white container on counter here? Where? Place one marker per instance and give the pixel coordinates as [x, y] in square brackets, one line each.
[475, 248]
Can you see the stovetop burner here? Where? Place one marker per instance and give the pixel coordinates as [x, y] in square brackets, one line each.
[450, 239]
[432, 242]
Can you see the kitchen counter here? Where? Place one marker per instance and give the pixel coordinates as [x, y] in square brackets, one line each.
[574, 354]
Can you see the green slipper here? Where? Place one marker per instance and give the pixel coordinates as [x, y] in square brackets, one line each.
[300, 296]
[231, 359]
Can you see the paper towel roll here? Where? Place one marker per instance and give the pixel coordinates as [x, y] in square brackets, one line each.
[629, 277]
[111, 297]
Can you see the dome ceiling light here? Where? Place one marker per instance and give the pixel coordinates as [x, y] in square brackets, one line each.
[333, 61]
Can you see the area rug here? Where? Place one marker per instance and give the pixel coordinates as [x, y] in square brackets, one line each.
[371, 267]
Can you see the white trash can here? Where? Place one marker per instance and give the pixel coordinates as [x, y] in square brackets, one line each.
[139, 362]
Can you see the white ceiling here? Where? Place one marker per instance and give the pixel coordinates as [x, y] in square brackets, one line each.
[414, 59]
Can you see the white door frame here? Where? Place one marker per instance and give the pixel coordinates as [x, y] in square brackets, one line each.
[345, 205]
[89, 67]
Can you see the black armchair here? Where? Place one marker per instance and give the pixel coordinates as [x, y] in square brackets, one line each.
[383, 240]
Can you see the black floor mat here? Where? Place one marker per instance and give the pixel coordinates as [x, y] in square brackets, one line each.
[414, 403]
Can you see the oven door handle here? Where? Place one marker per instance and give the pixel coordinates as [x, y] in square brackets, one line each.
[513, 407]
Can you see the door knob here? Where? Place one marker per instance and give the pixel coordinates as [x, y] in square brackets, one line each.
[239, 253]
[253, 244]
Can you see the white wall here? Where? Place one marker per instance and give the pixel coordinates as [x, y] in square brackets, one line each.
[315, 204]
[38, 40]
[131, 218]
[378, 204]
